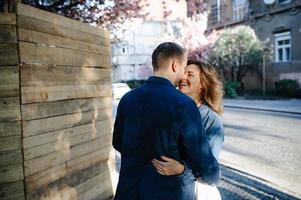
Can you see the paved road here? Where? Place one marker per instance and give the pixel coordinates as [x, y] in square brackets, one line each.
[264, 144]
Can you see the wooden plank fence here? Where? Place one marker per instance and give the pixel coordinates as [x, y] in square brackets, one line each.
[55, 107]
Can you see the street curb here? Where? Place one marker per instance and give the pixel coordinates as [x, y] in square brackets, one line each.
[261, 179]
[263, 109]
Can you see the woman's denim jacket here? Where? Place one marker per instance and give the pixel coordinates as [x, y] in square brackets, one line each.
[213, 126]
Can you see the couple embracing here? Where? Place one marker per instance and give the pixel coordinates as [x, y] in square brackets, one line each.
[169, 139]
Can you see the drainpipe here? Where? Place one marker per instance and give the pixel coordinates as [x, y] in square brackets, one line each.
[218, 11]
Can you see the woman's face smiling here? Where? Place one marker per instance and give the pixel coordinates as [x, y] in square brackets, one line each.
[190, 83]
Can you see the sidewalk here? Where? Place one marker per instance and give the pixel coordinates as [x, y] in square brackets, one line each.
[242, 183]
[239, 185]
[292, 106]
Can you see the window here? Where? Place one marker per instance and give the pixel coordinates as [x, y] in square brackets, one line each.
[126, 49]
[283, 47]
[240, 8]
[284, 1]
[214, 14]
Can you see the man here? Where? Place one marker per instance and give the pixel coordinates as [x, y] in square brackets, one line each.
[154, 120]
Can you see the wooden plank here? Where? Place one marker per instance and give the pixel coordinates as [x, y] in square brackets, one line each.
[72, 180]
[9, 91]
[93, 129]
[107, 193]
[15, 198]
[11, 157]
[8, 18]
[8, 54]
[63, 193]
[58, 30]
[10, 143]
[65, 141]
[40, 126]
[10, 129]
[95, 186]
[50, 160]
[8, 34]
[35, 94]
[9, 75]
[55, 108]
[9, 81]
[102, 190]
[41, 75]
[87, 176]
[49, 17]
[92, 158]
[12, 191]
[11, 173]
[63, 42]
[42, 54]
[66, 193]
[10, 109]
[43, 178]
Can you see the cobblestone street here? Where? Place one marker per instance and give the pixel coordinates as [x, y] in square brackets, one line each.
[237, 185]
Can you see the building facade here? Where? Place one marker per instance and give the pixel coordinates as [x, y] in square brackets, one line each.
[131, 57]
[275, 21]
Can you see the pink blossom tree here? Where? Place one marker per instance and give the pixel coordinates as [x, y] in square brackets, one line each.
[191, 33]
[107, 14]
[194, 39]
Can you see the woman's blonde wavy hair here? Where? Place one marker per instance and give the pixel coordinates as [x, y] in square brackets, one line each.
[212, 87]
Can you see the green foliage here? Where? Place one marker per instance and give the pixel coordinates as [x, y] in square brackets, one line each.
[298, 93]
[237, 50]
[231, 88]
[287, 88]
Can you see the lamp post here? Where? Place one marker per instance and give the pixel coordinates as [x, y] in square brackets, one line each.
[263, 74]
[265, 56]
[269, 4]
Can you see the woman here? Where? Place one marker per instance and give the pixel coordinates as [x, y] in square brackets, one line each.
[202, 83]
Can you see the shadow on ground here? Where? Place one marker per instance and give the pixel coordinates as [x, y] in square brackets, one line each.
[237, 185]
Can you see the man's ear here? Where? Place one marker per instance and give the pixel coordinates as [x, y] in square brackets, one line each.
[174, 65]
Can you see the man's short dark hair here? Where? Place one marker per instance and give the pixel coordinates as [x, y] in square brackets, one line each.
[164, 51]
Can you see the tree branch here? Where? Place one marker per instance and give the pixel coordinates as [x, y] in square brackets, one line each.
[244, 72]
[71, 5]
